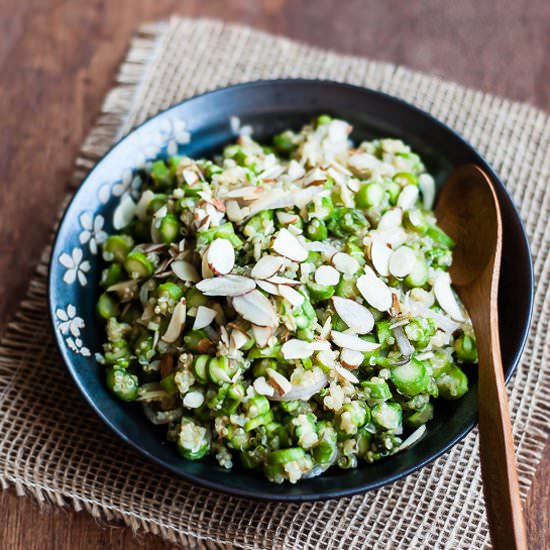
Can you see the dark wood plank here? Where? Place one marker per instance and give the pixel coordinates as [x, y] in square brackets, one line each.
[58, 58]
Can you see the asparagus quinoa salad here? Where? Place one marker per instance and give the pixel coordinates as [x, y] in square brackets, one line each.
[287, 306]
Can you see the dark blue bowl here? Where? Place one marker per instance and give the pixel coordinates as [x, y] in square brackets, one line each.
[201, 126]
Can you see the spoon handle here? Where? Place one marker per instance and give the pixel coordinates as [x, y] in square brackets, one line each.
[500, 480]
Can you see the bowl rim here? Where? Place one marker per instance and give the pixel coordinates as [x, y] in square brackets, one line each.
[263, 495]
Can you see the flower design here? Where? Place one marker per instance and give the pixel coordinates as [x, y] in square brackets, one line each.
[76, 267]
[69, 325]
[77, 346]
[92, 231]
[176, 132]
[69, 321]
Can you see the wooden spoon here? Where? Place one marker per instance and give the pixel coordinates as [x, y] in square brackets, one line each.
[468, 211]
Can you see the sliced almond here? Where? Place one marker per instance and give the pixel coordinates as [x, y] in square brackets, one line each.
[407, 197]
[446, 297]
[319, 246]
[355, 315]
[268, 287]
[279, 382]
[327, 358]
[327, 327]
[402, 262]
[250, 192]
[413, 438]
[295, 170]
[185, 271]
[296, 349]
[271, 200]
[266, 267]
[292, 296]
[320, 345]
[190, 176]
[286, 218]
[220, 256]
[345, 263]
[350, 358]
[427, 187]
[262, 335]
[391, 219]
[276, 280]
[220, 315]
[346, 374]
[380, 254]
[350, 341]
[143, 204]
[403, 343]
[262, 387]
[287, 245]
[193, 399]
[176, 324]
[204, 317]
[226, 285]
[375, 291]
[235, 213]
[205, 268]
[394, 237]
[238, 338]
[256, 308]
[124, 212]
[302, 197]
[326, 275]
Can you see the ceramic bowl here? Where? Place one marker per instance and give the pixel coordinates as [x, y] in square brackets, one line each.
[200, 127]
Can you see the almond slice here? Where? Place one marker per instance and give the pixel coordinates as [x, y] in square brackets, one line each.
[266, 267]
[234, 212]
[279, 382]
[446, 298]
[268, 287]
[355, 315]
[413, 438]
[193, 399]
[286, 218]
[327, 327]
[402, 262]
[176, 324]
[351, 359]
[346, 374]
[204, 317]
[124, 212]
[375, 291]
[206, 272]
[238, 338]
[262, 335]
[287, 245]
[320, 345]
[296, 349]
[292, 296]
[326, 275]
[249, 192]
[276, 280]
[262, 387]
[271, 200]
[319, 246]
[427, 187]
[185, 271]
[391, 219]
[143, 205]
[256, 308]
[226, 285]
[345, 263]
[408, 196]
[380, 255]
[350, 341]
[220, 256]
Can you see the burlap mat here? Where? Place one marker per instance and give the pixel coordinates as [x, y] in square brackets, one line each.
[53, 447]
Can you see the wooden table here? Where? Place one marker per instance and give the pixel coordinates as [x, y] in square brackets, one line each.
[58, 59]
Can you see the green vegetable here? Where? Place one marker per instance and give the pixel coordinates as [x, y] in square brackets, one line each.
[169, 229]
[122, 384]
[137, 265]
[316, 230]
[106, 306]
[411, 378]
[116, 248]
[452, 384]
[465, 349]
[369, 195]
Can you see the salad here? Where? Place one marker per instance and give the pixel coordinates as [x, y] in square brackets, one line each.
[285, 306]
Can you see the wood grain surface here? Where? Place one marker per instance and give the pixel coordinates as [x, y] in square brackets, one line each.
[58, 59]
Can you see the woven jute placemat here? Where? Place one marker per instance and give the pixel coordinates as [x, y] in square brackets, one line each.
[53, 447]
